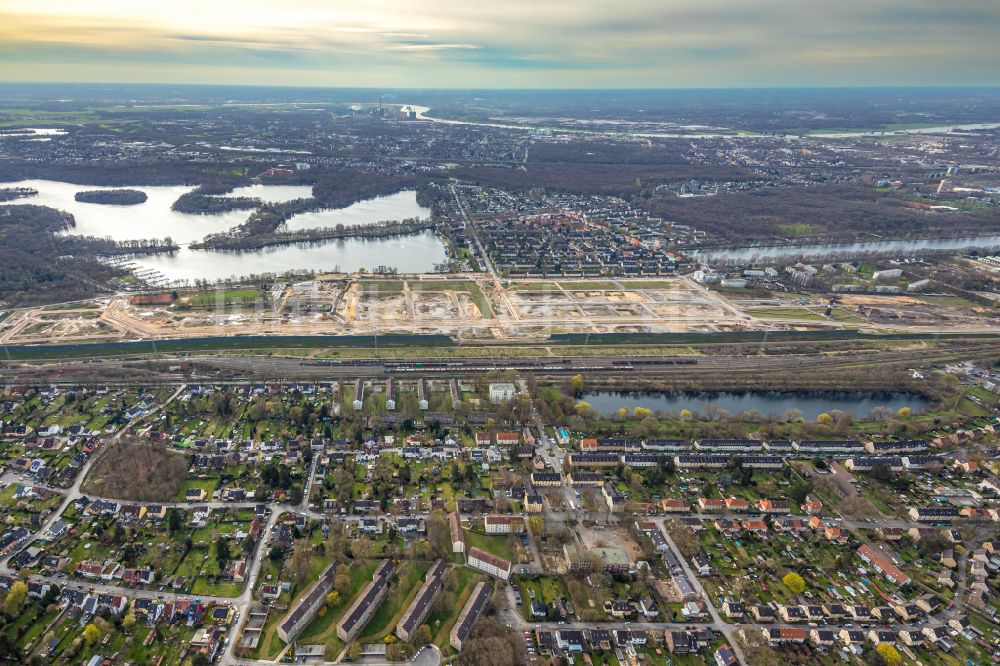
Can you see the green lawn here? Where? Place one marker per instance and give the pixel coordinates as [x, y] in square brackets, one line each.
[269, 644]
[649, 284]
[592, 285]
[498, 544]
[377, 287]
[843, 314]
[214, 297]
[799, 229]
[440, 285]
[408, 580]
[544, 589]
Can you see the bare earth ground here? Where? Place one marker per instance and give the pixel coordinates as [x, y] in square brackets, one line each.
[455, 306]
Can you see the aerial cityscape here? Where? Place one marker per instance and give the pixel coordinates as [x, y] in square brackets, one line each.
[437, 333]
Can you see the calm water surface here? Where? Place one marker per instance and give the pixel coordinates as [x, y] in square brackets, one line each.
[416, 253]
[774, 403]
[272, 193]
[399, 206]
[151, 219]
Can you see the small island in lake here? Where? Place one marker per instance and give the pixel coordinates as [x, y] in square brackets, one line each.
[11, 193]
[113, 197]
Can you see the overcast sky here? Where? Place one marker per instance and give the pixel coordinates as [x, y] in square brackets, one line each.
[504, 43]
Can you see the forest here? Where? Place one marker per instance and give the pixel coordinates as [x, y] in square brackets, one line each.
[90, 245]
[138, 471]
[607, 152]
[198, 202]
[264, 238]
[834, 210]
[337, 189]
[34, 266]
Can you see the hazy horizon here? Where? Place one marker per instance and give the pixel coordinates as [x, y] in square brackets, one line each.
[632, 44]
[533, 89]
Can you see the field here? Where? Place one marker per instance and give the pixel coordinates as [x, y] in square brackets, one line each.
[785, 313]
[219, 297]
[208, 485]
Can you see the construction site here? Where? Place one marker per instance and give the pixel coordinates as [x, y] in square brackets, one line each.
[474, 307]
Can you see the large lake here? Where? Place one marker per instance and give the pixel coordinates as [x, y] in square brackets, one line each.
[772, 403]
[399, 206]
[272, 193]
[151, 219]
[416, 253]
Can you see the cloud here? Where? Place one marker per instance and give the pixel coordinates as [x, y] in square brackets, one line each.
[433, 47]
[553, 43]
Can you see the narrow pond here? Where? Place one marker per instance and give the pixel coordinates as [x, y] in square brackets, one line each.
[768, 403]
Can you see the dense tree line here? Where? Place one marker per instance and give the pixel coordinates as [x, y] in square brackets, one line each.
[776, 110]
[491, 643]
[34, 264]
[122, 197]
[606, 152]
[266, 239]
[90, 245]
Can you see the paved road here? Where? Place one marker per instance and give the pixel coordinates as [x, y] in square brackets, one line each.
[245, 600]
[484, 256]
[717, 622]
[428, 656]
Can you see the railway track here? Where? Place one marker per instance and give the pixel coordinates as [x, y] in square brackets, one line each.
[249, 369]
